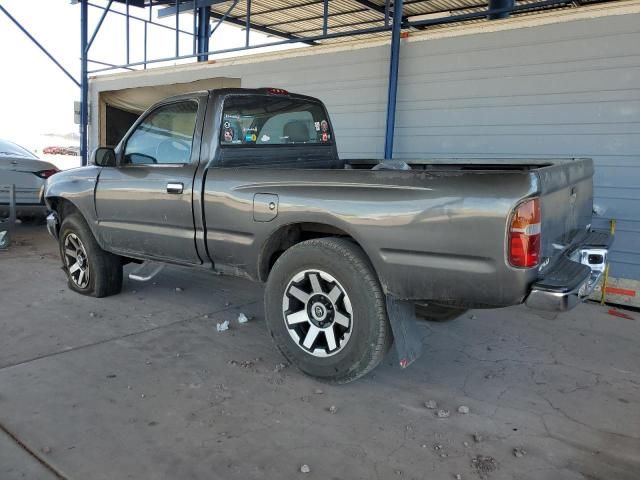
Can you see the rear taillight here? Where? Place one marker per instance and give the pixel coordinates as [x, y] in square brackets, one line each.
[46, 173]
[524, 234]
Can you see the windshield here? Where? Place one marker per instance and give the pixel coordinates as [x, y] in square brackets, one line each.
[10, 149]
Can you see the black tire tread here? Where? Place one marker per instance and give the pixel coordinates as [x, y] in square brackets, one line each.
[107, 271]
[352, 253]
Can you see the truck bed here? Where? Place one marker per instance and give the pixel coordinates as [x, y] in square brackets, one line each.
[435, 232]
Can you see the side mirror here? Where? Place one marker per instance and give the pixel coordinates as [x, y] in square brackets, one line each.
[104, 157]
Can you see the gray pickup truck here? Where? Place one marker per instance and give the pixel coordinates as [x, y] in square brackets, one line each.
[249, 183]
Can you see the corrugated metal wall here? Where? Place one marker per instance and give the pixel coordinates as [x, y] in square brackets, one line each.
[564, 89]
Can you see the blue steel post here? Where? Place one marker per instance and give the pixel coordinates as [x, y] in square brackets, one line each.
[127, 27]
[325, 17]
[84, 81]
[500, 5]
[393, 79]
[204, 19]
[248, 23]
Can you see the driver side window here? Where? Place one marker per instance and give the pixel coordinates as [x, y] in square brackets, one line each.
[165, 136]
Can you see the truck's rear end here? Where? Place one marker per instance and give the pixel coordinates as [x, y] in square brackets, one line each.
[571, 256]
[497, 233]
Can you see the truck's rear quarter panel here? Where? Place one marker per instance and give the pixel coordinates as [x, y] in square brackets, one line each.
[430, 235]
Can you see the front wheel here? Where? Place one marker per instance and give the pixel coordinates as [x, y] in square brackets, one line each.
[90, 270]
[326, 311]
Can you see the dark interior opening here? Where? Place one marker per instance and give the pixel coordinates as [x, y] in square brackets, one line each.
[118, 122]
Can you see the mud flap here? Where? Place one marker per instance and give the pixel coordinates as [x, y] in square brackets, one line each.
[406, 335]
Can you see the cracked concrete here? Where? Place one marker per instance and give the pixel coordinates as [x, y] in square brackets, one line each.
[141, 385]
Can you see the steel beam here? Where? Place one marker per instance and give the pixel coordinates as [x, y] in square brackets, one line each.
[97, 29]
[392, 93]
[259, 28]
[135, 17]
[84, 80]
[500, 5]
[486, 13]
[186, 7]
[353, 33]
[44, 50]
[204, 18]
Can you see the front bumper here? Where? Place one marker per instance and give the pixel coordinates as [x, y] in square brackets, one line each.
[574, 276]
[53, 224]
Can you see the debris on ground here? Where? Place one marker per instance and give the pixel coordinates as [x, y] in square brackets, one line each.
[431, 404]
[398, 472]
[466, 444]
[242, 318]
[333, 409]
[484, 465]
[463, 409]
[46, 449]
[472, 317]
[437, 447]
[519, 452]
[305, 468]
[279, 367]
[477, 437]
[221, 327]
[243, 363]
[112, 375]
[457, 476]
[92, 314]
[227, 304]
[318, 391]
[206, 315]
[443, 413]
[179, 289]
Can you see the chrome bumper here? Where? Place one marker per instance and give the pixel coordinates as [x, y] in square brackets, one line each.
[53, 225]
[574, 277]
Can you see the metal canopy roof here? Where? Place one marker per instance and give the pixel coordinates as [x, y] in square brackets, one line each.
[298, 19]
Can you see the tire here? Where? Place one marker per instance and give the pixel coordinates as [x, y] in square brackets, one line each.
[92, 271]
[438, 313]
[344, 301]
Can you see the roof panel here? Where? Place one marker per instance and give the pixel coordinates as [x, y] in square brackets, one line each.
[305, 18]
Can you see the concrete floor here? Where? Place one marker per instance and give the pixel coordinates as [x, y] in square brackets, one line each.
[141, 385]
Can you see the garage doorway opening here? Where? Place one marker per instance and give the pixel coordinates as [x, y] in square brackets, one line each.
[119, 109]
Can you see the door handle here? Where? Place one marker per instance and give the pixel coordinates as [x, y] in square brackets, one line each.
[176, 187]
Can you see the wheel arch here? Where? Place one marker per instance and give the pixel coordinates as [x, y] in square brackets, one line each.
[286, 236]
[65, 207]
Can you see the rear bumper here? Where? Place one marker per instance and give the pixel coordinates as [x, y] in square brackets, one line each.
[574, 276]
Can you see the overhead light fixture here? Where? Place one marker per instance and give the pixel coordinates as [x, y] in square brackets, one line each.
[429, 16]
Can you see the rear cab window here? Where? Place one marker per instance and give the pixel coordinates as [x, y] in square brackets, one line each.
[271, 120]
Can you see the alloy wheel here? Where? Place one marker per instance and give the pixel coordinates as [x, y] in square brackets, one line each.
[76, 260]
[317, 313]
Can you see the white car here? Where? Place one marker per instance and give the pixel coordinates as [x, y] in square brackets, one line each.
[21, 168]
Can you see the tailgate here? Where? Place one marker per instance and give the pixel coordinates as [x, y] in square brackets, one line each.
[566, 202]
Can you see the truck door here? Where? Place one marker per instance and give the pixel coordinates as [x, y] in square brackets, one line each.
[144, 204]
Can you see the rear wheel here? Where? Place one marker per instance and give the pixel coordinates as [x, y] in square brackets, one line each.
[90, 270]
[438, 313]
[326, 311]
